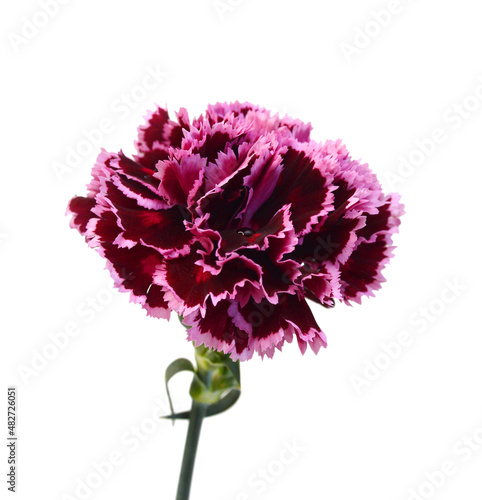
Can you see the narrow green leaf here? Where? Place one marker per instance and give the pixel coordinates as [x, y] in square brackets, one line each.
[222, 405]
[177, 366]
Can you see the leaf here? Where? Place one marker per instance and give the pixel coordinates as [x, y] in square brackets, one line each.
[222, 405]
[177, 366]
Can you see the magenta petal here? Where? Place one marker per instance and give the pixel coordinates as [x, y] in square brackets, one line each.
[177, 178]
[221, 169]
[263, 174]
[386, 219]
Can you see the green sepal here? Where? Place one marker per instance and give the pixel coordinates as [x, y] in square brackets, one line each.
[217, 374]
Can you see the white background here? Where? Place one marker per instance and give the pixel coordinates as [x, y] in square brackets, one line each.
[419, 72]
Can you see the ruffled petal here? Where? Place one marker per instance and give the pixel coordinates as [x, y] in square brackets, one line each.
[132, 270]
[189, 284]
[362, 274]
[179, 177]
[159, 132]
[80, 209]
[303, 186]
[222, 328]
[272, 324]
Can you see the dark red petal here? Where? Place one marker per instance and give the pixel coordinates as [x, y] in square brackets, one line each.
[191, 284]
[144, 197]
[343, 194]
[276, 277]
[153, 131]
[155, 297]
[300, 184]
[213, 144]
[291, 313]
[323, 285]
[158, 135]
[362, 272]
[162, 229]
[106, 228]
[265, 318]
[170, 186]
[334, 242]
[386, 219]
[137, 172]
[149, 159]
[135, 181]
[156, 304]
[133, 268]
[175, 136]
[223, 206]
[277, 237]
[81, 209]
[220, 325]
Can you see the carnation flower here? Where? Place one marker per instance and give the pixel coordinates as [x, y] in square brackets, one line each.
[233, 221]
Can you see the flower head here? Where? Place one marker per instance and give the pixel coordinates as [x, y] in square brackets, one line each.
[233, 221]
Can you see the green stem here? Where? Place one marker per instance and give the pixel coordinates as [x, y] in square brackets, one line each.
[198, 412]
